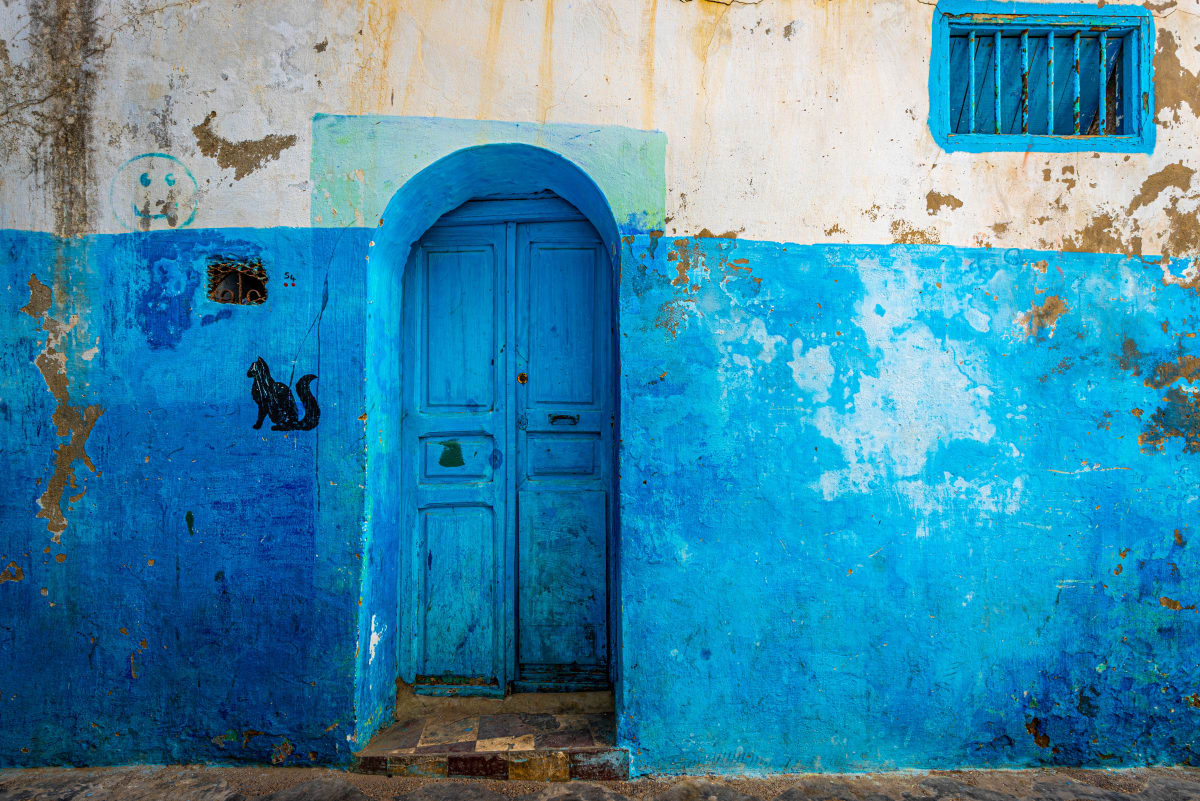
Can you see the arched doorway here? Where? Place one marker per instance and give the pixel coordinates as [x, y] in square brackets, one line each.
[507, 434]
[512, 174]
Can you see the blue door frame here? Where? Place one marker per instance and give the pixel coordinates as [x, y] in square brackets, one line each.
[508, 436]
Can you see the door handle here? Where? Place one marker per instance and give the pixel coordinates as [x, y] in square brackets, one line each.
[522, 378]
[564, 419]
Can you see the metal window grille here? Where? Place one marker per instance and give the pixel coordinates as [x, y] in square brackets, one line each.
[1024, 76]
[1057, 82]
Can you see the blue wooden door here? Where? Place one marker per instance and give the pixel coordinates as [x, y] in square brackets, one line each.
[564, 437]
[454, 437]
[507, 443]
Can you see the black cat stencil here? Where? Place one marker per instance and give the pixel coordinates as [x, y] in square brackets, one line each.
[274, 399]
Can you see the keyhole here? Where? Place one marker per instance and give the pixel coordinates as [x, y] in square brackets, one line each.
[522, 378]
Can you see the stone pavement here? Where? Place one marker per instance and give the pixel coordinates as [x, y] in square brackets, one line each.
[148, 783]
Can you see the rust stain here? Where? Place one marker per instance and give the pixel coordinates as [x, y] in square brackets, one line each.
[1044, 316]
[905, 233]
[1173, 605]
[1193, 700]
[1185, 368]
[1177, 418]
[371, 86]
[648, 65]
[12, 573]
[936, 201]
[1129, 359]
[686, 256]
[242, 157]
[671, 314]
[1035, 729]
[491, 51]
[1173, 84]
[71, 422]
[282, 751]
[1179, 539]
[1172, 175]
[415, 62]
[545, 94]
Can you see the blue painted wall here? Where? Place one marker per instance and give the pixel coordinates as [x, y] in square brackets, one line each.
[878, 515]
[201, 602]
[882, 506]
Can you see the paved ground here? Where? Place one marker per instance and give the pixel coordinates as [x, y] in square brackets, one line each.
[301, 784]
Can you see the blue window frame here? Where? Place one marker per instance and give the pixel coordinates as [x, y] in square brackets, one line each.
[1048, 77]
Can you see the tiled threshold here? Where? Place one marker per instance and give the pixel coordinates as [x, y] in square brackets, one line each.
[519, 746]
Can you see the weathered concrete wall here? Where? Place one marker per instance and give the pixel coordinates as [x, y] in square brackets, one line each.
[917, 492]
[788, 120]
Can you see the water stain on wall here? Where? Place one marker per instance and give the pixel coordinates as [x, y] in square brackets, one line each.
[242, 157]
[51, 92]
[74, 423]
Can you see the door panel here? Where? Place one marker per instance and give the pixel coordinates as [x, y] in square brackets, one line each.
[562, 323]
[460, 327]
[562, 594]
[453, 435]
[565, 423]
[458, 592]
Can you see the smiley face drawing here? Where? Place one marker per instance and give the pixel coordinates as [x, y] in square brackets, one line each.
[154, 191]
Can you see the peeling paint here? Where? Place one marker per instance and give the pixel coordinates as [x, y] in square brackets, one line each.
[936, 201]
[71, 422]
[1174, 85]
[1185, 368]
[905, 233]
[1102, 235]
[242, 157]
[1190, 279]
[1043, 317]
[1173, 175]
[1177, 418]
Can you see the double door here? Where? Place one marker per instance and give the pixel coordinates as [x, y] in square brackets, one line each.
[507, 449]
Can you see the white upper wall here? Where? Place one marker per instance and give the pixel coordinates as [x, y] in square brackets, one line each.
[786, 120]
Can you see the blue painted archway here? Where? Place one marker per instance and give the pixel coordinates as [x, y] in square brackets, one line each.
[496, 169]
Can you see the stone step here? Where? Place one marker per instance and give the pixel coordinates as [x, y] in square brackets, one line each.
[531, 746]
[546, 765]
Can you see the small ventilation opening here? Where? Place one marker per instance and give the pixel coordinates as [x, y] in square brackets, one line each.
[237, 281]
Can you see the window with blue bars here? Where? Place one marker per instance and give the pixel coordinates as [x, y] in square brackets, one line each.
[1008, 76]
